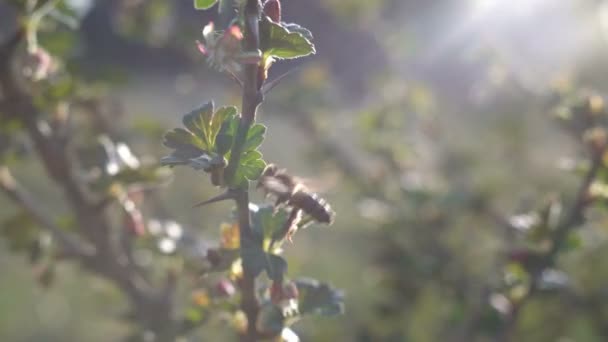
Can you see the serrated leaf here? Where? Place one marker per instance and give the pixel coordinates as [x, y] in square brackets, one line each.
[184, 141]
[198, 123]
[250, 168]
[222, 115]
[225, 136]
[255, 137]
[318, 298]
[293, 27]
[207, 139]
[278, 42]
[204, 4]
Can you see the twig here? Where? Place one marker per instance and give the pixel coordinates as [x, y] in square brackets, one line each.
[572, 220]
[70, 245]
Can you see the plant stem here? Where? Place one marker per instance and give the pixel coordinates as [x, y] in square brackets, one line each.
[251, 99]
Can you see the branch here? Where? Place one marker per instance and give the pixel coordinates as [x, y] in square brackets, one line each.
[15, 192]
[153, 307]
[571, 221]
[252, 97]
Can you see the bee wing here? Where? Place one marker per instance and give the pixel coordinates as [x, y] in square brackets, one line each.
[319, 185]
[274, 185]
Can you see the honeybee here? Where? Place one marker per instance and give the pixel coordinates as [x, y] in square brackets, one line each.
[289, 191]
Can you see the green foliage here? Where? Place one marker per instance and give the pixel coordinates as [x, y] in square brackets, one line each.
[207, 142]
[198, 146]
[318, 298]
[204, 4]
[285, 41]
[256, 260]
[20, 231]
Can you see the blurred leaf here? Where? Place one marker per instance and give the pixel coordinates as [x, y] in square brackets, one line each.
[318, 298]
[218, 260]
[270, 320]
[204, 4]
[20, 231]
[255, 260]
[276, 267]
[278, 41]
[268, 222]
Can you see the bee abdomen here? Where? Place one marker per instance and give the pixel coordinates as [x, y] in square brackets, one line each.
[313, 205]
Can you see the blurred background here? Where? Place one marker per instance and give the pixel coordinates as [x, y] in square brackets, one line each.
[426, 124]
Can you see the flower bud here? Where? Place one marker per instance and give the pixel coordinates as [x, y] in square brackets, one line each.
[272, 9]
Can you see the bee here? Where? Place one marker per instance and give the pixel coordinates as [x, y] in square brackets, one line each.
[292, 193]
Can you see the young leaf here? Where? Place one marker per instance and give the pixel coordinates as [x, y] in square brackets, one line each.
[208, 137]
[278, 41]
[223, 115]
[225, 136]
[318, 298]
[251, 168]
[204, 4]
[198, 122]
[293, 27]
[255, 137]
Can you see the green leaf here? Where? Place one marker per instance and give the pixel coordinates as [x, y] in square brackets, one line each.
[254, 258]
[270, 320]
[318, 298]
[293, 27]
[198, 122]
[269, 222]
[278, 41]
[225, 136]
[207, 139]
[204, 4]
[276, 267]
[255, 137]
[20, 231]
[217, 260]
[224, 114]
[251, 167]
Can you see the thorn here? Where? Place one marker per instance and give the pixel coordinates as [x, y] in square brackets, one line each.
[228, 194]
[235, 78]
[268, 86]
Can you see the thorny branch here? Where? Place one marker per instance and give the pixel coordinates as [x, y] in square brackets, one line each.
[252, 97]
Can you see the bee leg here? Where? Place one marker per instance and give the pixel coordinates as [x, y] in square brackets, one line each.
[291, 225]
